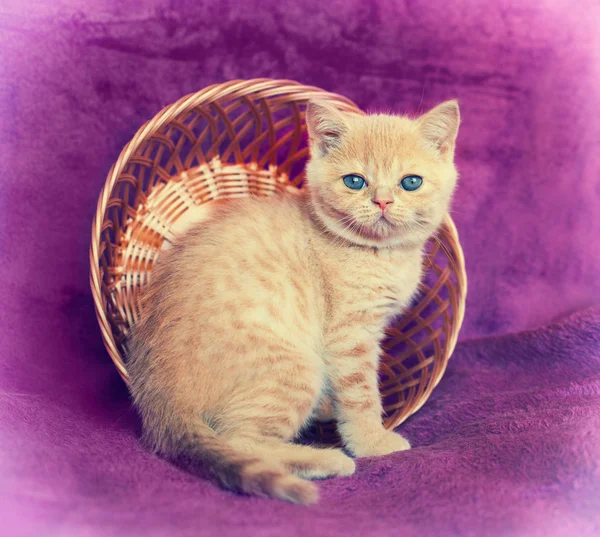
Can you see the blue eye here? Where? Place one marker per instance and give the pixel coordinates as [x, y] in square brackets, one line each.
[411, 182]
[355, 182]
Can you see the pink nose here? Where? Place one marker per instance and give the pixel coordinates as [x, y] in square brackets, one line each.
[383, 202]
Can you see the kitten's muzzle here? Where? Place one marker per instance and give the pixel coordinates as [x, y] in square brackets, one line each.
[383, 197]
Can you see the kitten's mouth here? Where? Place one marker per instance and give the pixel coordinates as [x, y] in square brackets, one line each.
[379, 228]
[383, 221]
[384, 217]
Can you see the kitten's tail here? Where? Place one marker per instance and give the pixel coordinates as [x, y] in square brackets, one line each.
[236, 470]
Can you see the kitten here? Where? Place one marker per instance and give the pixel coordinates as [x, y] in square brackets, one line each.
[273, 309]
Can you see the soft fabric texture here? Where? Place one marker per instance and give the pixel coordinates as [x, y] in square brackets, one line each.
[508, 444]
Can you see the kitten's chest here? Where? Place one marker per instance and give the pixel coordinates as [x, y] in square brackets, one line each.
[377, 286]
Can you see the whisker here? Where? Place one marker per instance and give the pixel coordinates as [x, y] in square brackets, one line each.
[448, 254]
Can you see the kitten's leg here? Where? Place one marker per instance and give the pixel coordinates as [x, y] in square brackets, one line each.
[262, 419]
[357, 403]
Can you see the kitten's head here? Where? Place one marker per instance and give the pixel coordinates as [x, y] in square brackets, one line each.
[381, 180]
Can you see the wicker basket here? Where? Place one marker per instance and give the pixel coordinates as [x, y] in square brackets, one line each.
[238, 139]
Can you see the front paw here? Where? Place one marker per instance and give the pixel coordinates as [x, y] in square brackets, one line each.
[382, 444]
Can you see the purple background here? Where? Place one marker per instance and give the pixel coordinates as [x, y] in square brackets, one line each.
[77, 78]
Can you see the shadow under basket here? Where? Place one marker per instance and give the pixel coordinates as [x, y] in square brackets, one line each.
[238, 139]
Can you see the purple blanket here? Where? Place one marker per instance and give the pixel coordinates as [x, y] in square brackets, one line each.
[509, 443]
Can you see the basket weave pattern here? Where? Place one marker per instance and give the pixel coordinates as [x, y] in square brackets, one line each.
[239, 139]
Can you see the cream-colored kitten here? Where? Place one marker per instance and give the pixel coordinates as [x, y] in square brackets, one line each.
[273, 308]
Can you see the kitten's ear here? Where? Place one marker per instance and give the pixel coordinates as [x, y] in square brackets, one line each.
[439, 127]
[326, 126]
